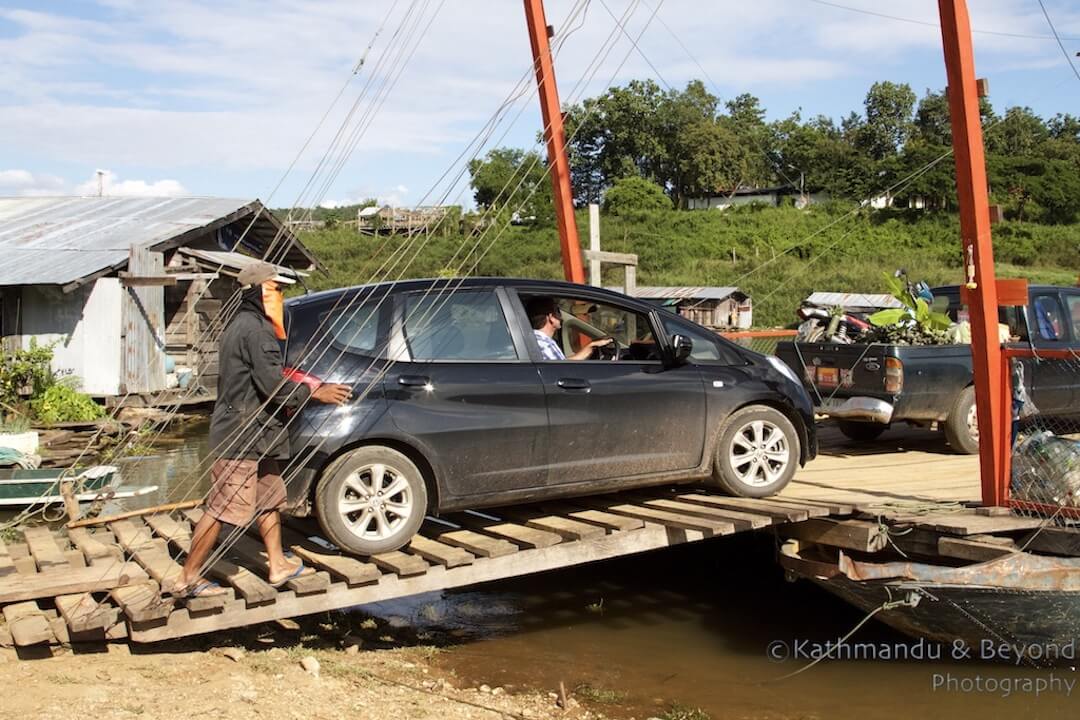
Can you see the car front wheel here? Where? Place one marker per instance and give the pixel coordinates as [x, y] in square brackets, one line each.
[758, 452]
[371, 500]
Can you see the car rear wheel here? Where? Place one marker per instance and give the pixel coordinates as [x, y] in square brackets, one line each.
[861, 431]
[962, 423]
[758, 452]
[371, 500]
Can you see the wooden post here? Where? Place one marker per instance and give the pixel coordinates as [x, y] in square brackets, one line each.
[555, 134]
[144, 325]
[971, 184]
[595, 276]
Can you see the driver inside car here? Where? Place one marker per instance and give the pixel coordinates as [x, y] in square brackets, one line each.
[546, 320]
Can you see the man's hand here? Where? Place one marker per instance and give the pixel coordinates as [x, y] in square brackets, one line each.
[332, 394]
[601, 342]
[586, 352]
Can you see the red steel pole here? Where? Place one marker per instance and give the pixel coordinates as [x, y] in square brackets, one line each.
[994, 410]
[555, 134]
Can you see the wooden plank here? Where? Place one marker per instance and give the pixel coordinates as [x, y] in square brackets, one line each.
[599, 518]
[401, 564]
[169, 528]
[47, 554]
[781, 512]
[143, 602]
[848, 534]
[253, 555]
[133, 537]
[1053, 540]
[7, 565]
[972, 524]
[94, 578]
[663, 517]
[741, 521]
[435, 552]
[83, 613]
[649, 537]
[975, 550]
[28, 624]
[833, 507]
[473, 542]
[354, 572]
[520, 535]
[565, 527]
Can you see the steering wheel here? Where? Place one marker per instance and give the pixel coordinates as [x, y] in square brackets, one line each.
[609, 351]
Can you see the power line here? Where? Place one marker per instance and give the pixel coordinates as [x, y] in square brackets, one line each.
[1068, 58]
[926, 23]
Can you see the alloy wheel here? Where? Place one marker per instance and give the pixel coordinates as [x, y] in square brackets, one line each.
[759, 453]
[375, 501]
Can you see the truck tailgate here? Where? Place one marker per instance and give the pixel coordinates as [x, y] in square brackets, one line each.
[838, 371]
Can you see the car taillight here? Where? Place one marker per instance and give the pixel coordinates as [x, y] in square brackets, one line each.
[894, 375]
[302, 377]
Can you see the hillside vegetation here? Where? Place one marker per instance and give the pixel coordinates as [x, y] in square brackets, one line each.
[778, 255]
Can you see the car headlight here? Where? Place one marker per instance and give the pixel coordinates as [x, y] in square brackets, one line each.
[783, 368]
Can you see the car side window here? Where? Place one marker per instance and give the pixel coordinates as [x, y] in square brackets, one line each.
[1073, 303]
[463, 325]
[584, 320]
[707, 346]
[1049, 318]
[353, 329]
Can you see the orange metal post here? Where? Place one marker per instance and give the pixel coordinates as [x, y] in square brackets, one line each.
[554, 133]
[971, 188]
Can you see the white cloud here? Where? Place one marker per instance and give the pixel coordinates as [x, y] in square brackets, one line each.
[24, 182]
[113, 186]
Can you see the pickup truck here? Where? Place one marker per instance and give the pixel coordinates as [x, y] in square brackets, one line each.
[866, 388]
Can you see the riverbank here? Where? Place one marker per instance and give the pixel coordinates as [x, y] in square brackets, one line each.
[318, 670]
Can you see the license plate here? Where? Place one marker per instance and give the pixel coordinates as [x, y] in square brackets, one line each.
[828, 376]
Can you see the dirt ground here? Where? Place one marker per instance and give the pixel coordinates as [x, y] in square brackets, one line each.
[260, 674]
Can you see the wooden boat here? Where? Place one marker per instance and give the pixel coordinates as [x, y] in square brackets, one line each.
[20, 487]
[1017, 608]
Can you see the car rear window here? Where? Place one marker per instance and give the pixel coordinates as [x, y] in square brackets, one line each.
[341, 324]
[458, 326]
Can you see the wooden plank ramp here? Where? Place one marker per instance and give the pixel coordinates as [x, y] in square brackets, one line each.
[106, 582]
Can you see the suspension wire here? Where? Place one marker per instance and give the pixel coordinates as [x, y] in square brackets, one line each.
[1060, 44]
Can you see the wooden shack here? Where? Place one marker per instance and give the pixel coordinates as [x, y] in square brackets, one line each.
[719, 308]
[130, 291]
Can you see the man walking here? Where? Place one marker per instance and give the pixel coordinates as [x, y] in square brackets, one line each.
[248, 435]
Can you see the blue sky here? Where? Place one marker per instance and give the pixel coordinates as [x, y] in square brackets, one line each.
[217, 97]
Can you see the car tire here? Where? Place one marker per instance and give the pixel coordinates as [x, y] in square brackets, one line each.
[353, 513]
[962, 424]
[861, 431]
[749, 436]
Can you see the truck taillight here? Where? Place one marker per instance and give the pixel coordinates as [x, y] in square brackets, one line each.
[894, 375]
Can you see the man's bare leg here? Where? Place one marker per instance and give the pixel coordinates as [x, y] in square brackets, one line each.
[270, 529]
[202, 542]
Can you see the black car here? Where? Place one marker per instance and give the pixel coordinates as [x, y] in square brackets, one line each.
[456, 408]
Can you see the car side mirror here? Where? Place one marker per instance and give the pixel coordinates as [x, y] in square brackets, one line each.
[681, 347]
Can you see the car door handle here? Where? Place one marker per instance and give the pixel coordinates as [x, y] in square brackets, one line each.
[414, 380]
[573, 384]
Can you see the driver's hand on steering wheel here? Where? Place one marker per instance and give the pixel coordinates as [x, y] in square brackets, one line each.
[601, 342]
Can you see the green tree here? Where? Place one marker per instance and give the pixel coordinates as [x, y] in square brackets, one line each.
[635, 195]
[513, 181]
[889, 108]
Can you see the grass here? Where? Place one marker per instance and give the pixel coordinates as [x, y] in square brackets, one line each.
[778, 255]
[675, 711]
[600, 696]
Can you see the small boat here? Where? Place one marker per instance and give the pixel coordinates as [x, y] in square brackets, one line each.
[1018, 608]
[21, 487]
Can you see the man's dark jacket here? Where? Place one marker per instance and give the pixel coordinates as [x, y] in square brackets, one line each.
[248, 417]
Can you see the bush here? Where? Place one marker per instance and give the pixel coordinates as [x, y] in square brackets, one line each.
[635, 195]
[25, 373]
[62, 402]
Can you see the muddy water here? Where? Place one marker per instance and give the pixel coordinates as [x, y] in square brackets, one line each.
[690, 624]
[176, 469]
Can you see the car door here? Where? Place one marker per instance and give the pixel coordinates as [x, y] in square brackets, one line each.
[1052, 381]
[463, 386]
[615, 418]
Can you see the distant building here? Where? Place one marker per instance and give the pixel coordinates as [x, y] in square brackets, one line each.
[719, 308]
[771, 196]
[386, 219]
[130, 289]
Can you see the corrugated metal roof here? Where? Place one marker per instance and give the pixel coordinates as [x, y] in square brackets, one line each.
[853, 300]
[58, 240]
[646, 292]
[235, 262]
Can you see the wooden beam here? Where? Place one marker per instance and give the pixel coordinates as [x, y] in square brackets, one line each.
[130, 280]
[848, 534]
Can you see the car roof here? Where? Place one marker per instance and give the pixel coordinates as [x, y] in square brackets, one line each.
[554, 287]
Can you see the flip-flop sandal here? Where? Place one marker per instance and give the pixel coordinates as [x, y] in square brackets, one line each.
[301, 571]
[205, 589]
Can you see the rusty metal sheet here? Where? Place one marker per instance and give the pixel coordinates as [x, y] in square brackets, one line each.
[1018, 571]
